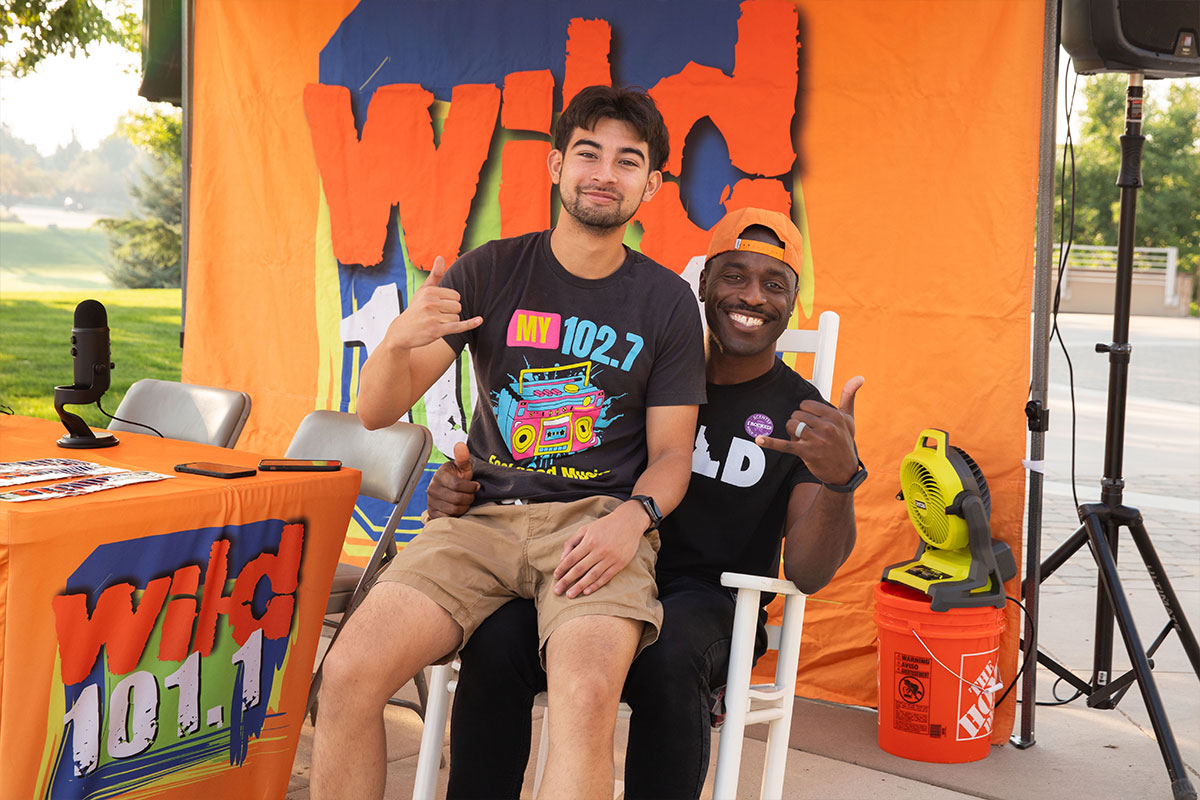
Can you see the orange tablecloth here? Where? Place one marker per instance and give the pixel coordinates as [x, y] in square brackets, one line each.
[158, 639]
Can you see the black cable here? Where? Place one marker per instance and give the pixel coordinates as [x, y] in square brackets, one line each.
[1028, 650]
[1057, 700]
[1066, 235]
[1025, 663]
[128, 421]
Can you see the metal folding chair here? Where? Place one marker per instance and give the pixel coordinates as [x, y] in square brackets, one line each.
[203, 414]
[391, 461]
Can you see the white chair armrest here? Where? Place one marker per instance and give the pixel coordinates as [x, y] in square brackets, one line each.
[738, 580]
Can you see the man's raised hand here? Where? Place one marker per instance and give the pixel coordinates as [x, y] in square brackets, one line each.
[823, 436]
[452, 489]
[433, 312]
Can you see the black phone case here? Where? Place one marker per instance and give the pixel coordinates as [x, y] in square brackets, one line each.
[297, 468]
[243, 472]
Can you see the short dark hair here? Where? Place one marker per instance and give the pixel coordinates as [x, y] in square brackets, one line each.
[633, 106]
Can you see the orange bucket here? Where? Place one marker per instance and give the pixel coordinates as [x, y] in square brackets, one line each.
[939, 676]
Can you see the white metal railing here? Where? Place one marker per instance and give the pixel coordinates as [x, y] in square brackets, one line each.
[1104, 258]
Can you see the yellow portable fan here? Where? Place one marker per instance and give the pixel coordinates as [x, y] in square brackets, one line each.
[958, 563]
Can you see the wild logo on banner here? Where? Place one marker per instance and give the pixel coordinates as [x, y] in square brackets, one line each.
[171, 653]
[423, 156]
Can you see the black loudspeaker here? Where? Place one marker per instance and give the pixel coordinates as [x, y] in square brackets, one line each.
[1155, 37]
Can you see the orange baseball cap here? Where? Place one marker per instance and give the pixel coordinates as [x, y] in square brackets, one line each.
[726, 236]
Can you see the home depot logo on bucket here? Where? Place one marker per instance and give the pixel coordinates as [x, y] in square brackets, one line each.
[976, 699]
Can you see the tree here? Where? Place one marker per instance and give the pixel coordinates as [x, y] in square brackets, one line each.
[65, 155]
[22, 172]
[19, 149]
[147, 246]
[97, 180]
[21, 179]
[33, 30]
[1168, 214]
[1169, 203]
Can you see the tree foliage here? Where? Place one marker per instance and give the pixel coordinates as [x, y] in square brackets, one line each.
[33, 30]
[147, 246]
[1168, 211]
[94, 180]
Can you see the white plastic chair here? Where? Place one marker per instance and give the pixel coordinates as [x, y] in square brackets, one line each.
[185, 411]
[745, 704]
[770, 703]
[391, 461]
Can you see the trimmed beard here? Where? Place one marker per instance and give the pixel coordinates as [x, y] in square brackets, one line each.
[596, 219]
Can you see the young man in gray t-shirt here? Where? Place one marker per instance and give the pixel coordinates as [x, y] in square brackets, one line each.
[590, 372]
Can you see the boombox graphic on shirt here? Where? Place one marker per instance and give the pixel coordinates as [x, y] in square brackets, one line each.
[551, 411]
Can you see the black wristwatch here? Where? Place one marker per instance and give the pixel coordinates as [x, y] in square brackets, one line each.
[652, 511]
[850, 485]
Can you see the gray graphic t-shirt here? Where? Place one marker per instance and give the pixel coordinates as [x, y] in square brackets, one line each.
[566, 368]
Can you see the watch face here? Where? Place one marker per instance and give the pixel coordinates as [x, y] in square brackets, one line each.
[652, 507]
[652, 510]
[850, 485]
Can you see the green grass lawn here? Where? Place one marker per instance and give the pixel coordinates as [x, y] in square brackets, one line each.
[37, 258]
[35, 345]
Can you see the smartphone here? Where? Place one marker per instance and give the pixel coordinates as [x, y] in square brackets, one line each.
[298, 465]
[215, 470]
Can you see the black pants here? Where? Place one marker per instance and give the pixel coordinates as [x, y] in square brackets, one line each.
[668, 687]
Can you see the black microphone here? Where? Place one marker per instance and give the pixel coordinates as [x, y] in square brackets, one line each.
[92, 372]
[91, 350]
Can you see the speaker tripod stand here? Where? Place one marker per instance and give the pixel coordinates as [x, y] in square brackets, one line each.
[1102, 522]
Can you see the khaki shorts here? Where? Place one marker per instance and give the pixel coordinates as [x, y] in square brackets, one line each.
[473, 564]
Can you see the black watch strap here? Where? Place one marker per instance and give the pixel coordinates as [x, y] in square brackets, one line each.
[651, 509]
[850, 485]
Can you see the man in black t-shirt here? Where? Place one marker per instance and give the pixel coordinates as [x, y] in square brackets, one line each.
[590, 369]
[772, 462]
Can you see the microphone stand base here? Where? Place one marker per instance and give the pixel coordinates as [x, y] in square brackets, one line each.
[96, 440]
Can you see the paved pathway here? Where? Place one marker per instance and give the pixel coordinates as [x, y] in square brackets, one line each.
[1161, 463]
[1161, 469]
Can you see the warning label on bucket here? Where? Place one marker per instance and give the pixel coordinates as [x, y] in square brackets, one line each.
[912, 696]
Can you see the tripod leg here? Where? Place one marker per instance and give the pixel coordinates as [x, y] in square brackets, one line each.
[1063, 552]
[1161, 583]
[1053, 561]
[1180, 785]
[1100, 516]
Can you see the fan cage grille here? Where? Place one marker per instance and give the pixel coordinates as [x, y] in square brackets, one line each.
[923, 489]
[980, 481]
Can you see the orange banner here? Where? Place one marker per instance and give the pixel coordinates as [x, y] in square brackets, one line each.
[339, 147]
